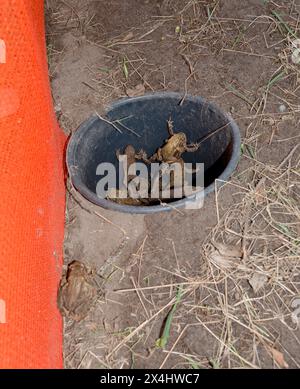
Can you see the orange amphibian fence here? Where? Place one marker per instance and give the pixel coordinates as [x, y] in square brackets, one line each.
[32, 194]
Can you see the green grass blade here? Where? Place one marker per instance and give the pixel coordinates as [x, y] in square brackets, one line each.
[163, 340]
[275, 79]
[125, 68]
[284, 24]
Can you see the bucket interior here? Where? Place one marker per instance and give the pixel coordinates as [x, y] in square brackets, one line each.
[143, 123]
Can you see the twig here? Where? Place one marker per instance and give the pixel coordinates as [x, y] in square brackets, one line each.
[109, 122]
[139, 296]
[290, 154]
[110, 222]
[191, 67]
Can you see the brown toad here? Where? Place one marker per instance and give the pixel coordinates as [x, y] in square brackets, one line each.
[130, 153]
[121, 196]
[77, 292]
[173, 148]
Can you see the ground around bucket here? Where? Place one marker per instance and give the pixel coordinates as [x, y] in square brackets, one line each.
[225, 277]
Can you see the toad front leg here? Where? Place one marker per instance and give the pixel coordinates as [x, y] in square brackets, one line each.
[142, 155]
[192, 147]
[170, 127]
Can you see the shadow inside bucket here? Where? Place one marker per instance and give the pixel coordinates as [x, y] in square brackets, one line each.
[143, 123]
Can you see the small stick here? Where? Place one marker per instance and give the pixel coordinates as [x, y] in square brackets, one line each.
[110, 222]
[205, 137]
[90, 86]
[188, 62]
[185, 88]
[249, 53]
[127, 128]
[128, 43]
[189, 283]
[290, 154]
[170, 206]
[139, 296]
[109, 122]
[152, 30]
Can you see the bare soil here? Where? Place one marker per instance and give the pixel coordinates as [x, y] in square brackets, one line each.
[237, 54]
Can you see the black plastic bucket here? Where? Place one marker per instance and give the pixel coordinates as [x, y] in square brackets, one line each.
[96, 141]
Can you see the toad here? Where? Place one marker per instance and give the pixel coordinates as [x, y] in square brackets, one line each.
[130, 153]
[173, 148]
[77, 292]
[121, 196]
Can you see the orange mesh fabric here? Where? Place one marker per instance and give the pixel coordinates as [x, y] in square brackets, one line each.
[32, 194]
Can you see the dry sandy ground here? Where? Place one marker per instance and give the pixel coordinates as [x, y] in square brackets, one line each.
[239, 53]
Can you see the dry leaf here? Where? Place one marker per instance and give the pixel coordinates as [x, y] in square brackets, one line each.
[225, 256]
[228, 250]
[257, 281]
[138, 90]
[128, 37]
[278, 357]
[260, 191]
[220, 260]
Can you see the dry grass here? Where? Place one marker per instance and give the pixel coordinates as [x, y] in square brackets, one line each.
[265, 225]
